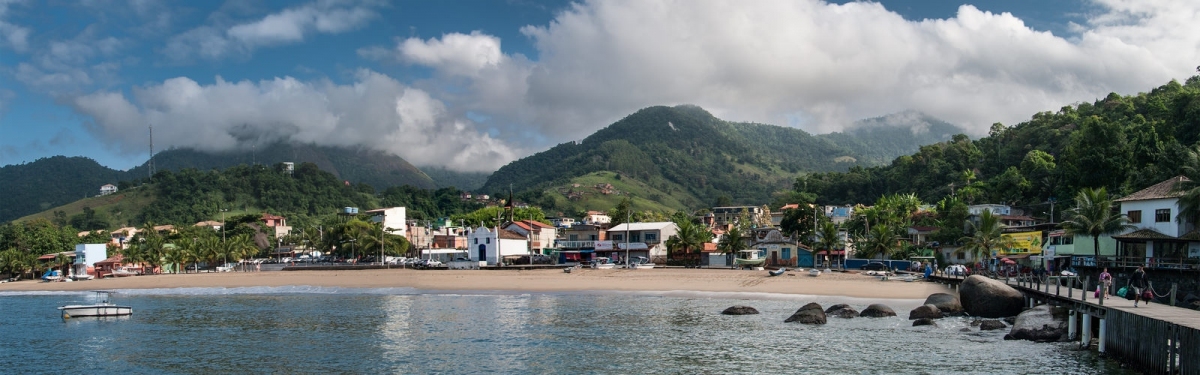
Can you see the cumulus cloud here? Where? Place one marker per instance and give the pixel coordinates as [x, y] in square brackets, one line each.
[290, 25]
[11, 35]
[375, 112]
[808, 63]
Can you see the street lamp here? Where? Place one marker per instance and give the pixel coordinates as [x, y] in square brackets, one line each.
[223, 211]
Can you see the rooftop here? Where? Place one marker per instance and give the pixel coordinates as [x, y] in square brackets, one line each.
[641, 226]
[1161, 190]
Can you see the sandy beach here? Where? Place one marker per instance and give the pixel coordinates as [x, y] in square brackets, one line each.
[700, 280]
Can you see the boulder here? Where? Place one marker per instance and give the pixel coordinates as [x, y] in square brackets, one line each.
[1010, 320]
[1041, 324]
[809, 314]
[740, 310]
[877, 310]
[925, 312]
[948, 303]
[991, 324]
[924, 322]
[984, 297]
[841, 310]
[965, 329]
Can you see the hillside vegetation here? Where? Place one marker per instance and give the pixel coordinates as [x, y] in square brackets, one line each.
[1122, 143]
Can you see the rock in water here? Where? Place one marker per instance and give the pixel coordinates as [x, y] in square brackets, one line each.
[740, 310]
[1041, 324]
[948, 303]
[925, 312]
[924, 322]
[990, 324]
[1010, 320]
[841, 310]
[809, 314]
[989, 298]
[877, 310]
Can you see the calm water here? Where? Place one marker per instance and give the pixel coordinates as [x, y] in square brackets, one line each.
[331, 330]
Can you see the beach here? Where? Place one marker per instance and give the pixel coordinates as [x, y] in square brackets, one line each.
[550, 280]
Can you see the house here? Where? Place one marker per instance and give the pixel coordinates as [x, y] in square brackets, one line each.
[1161, 238]
[731, 215]
[278, 223]
[581, 237]
[638, 239]
[215, 225]
[121, 237]
[393, 219]
[449, 237]
[105, 267]
[491, 246]
[107, 189]
[420, 236]
[596, 218]
[780, 250]
[562, 222]
[541, 235]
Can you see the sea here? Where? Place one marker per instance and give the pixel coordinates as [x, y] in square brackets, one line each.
[324, 330]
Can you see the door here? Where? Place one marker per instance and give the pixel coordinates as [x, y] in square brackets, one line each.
[805, 259]
[482, 253]
[787, 254]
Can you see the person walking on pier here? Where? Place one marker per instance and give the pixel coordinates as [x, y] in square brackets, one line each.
[1106, 279]
[1139, 284]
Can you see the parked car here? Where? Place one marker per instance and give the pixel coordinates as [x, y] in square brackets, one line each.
[875, 266]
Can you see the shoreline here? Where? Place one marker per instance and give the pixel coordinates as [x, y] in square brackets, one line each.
[657, 281]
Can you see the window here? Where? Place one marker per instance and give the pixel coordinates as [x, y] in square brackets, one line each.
[1162, 215]
[960, 255]
[489, 240]
[573, 237]
[651, 237]
[1134, 216]
[618, 237]
[476, 241]
[592, 237]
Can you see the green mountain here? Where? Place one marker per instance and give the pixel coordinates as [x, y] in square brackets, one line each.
[879, 140]
[371, 167]
[686, 158]
[51, 182]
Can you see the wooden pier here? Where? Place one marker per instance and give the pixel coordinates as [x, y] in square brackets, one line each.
[1154, 338]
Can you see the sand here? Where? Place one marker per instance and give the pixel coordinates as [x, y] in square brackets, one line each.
[552, 280]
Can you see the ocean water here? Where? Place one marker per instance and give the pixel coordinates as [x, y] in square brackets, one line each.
[407, 331]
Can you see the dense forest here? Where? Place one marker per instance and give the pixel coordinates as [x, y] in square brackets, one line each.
[50, 182]
[1121, 143]
[698, 159]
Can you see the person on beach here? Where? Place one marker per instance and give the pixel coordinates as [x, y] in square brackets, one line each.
[1106, 279]
[1139, 284]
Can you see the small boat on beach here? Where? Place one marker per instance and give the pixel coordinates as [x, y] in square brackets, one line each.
[749, 258]
[52, 275]
[602, 263]
[102, 308]
[777, 272]
[814, 272]
[122, 272]
[641, 263]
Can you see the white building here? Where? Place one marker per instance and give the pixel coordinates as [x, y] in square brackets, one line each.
[1154, 211]
[486, 245]
[86, 256]
[563, 222]
[108, 189]
[596, 218]
[393, 219]
[640, 239]
[540, 234]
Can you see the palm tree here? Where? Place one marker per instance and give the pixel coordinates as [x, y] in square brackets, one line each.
[1094, 215]
[881, 241]
[64, 261]
[732, 243]
[689, 238]
[985, 236]
[1189, 202]
[830, 238]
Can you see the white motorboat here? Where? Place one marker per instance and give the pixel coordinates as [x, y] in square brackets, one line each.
[602, 263]
[102, 308]
[814, 272]
[82, 276]
[122, 272]
[52, 275]
[641, 263]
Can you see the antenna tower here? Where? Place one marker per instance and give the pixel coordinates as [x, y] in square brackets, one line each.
[151, 163]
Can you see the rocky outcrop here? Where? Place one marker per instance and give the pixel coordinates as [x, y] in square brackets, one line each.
[925, 312]
[1041, 324]
[948, 303]
[740, 310]
[841, 310]
[809, 314]
[877, 310]
[924, 322]
[990, 325]
[984, 297]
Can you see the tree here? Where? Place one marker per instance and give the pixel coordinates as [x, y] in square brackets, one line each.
[1094, 215]
[985, 236]
[731, 242]
[829, 237]
[1189, 202]
[881, 241]
[690, 238]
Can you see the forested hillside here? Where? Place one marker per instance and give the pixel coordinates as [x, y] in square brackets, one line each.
[51, 182]
[1122, 143]
[689, 156]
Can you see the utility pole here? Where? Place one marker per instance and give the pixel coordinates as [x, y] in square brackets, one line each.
[223, 210]
[1051, 210]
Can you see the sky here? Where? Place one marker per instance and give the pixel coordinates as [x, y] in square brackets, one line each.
[471, 85]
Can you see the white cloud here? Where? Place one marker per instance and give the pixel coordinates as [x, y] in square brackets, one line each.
[13, 36]
[288, 26]
[804, 63]
[375, 111]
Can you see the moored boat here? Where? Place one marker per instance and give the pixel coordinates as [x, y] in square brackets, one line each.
[602, 263]
[641, 263]
[749, 258]
[102, 308]
[122, 272]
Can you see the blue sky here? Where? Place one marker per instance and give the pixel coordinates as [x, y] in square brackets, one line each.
[471, 85]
